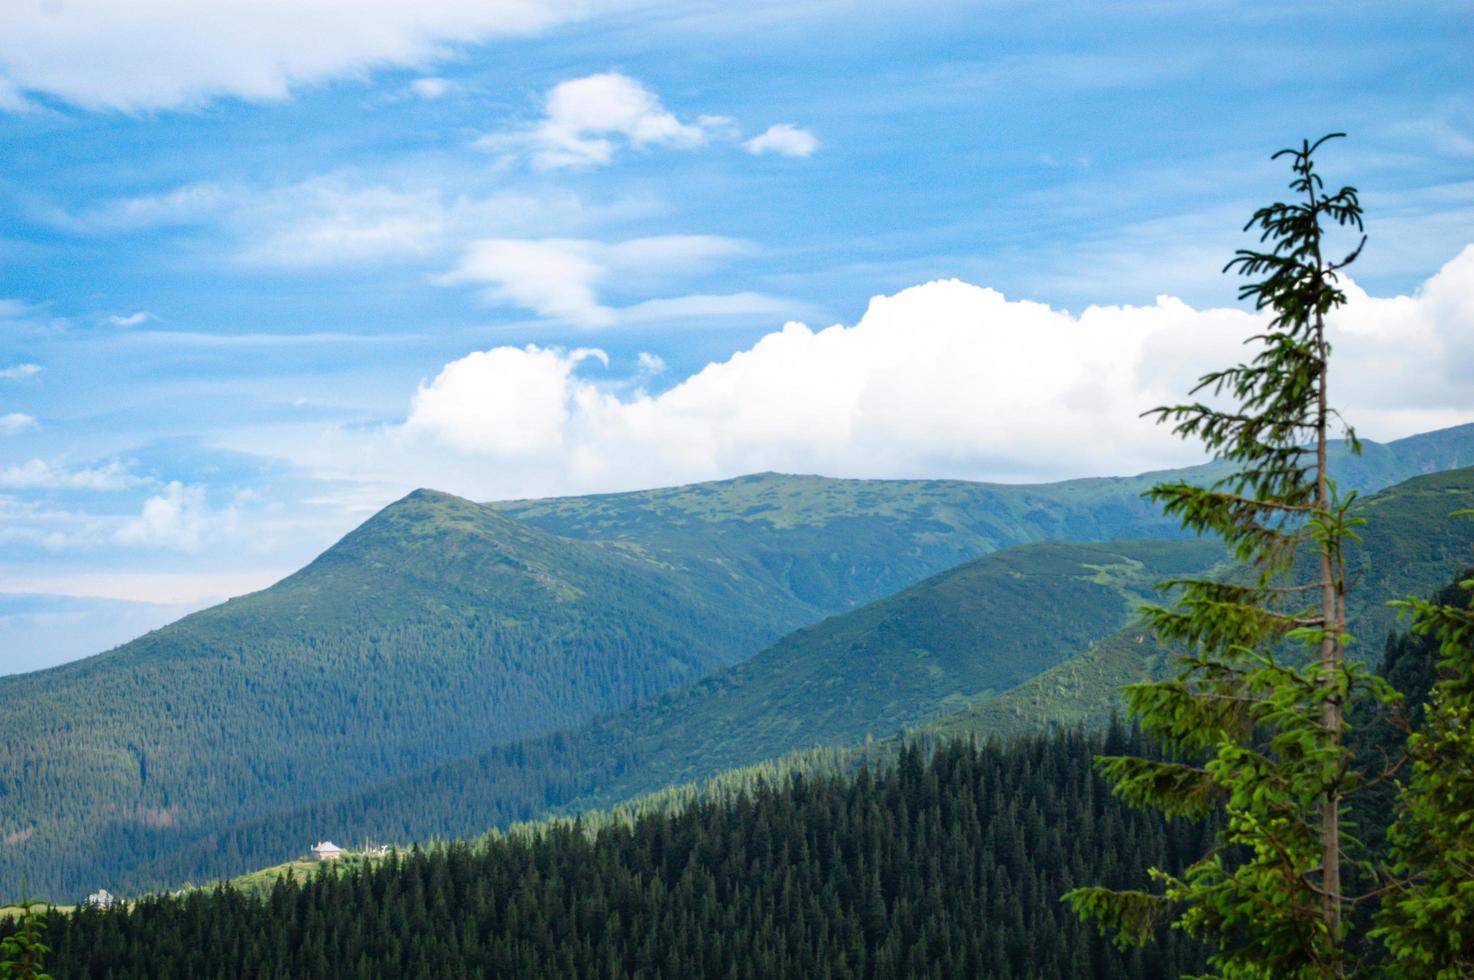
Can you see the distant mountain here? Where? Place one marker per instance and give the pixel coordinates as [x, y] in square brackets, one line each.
[838, 543]
[442, 628]
[437, 628]
[1022, 639]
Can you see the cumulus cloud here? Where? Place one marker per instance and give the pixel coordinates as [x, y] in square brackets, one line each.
[14, 423]
[560, 277]
[159, 54]
[587, 119]
[38, 474]
[784, 139]
[941, 379]
[507, 402]
[19, 372]
[177, 519]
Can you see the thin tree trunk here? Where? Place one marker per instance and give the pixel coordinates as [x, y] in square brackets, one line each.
[1330, 662]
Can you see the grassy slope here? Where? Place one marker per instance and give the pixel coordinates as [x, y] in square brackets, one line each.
[839, 543]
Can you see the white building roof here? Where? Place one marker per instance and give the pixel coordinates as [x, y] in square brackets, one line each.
[325, 847]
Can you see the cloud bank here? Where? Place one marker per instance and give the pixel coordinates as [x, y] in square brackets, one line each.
[943, 379]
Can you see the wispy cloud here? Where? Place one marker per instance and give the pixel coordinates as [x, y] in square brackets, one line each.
[39, 474]
[14, 423]
[560, 277]
[431, 87]
[131, 319]
[20, 372]
[156, 54]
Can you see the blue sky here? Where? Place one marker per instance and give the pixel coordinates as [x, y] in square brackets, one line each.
[263, 271]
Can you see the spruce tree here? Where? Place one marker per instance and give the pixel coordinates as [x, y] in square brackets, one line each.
[1426, 921]
[23, 952]
[1252, 721]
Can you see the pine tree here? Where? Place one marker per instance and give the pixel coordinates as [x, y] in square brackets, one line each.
[1253, 727]
[23, 952]
[1427, 920]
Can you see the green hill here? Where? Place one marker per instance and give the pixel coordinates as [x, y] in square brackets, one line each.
[1409, 546]
[437, 628]
[1018, 640]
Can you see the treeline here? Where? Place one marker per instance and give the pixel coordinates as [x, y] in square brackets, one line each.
[943, 866]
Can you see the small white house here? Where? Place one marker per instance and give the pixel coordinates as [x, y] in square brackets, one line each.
[326, 850]
[101, 899]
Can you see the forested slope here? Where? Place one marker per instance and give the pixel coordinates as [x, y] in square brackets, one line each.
[1041, 627]
[948, 866]
[984, 626]
[1409, 547]
[436, 629]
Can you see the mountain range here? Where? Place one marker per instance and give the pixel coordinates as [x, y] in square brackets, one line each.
[450, 666]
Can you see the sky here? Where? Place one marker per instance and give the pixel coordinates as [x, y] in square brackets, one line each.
[267, 266]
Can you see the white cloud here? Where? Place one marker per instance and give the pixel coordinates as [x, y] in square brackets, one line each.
[431, 87]
[15, 423]
[38, 474]
[509, 402]
[941, 379]
[160, 54]
[131, 319]
[587, 119]
[560, 277]
[785, 139]
[19, 372]
[177, 519]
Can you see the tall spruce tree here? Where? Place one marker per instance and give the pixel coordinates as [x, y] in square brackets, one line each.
[1253, 719]
[1426, 921]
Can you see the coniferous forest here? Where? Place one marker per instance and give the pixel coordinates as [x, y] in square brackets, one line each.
[942, 865]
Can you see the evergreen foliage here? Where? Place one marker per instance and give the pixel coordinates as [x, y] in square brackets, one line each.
[1254, 731]
[942, 866]
[875, 670]
[1426, 921]
[23, 951]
